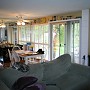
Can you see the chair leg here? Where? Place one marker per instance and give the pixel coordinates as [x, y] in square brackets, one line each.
[11, 64]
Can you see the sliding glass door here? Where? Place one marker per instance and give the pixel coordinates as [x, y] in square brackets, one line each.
[66, 39]
[59, 44]
[75, 41]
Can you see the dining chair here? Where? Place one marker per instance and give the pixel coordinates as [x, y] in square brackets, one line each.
[11, 58]
[15, 56]
[16, 48]
[42, 50]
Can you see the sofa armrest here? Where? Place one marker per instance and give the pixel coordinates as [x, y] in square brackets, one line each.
[3, 86]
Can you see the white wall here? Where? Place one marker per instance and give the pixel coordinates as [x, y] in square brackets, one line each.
[84, 35]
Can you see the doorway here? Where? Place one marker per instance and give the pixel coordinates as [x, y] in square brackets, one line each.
[58, 39]
[66, 39]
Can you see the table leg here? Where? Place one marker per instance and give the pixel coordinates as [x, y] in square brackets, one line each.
[26, 61]
[42, 58]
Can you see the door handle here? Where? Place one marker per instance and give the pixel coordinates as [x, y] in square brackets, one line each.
[60, 45]
[83, 60]
[83, 57]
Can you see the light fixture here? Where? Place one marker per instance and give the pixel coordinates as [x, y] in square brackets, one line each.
[20, 21]
[2, 25]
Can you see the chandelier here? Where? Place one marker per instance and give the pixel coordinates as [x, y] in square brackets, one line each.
[2, 25]
[20, 21]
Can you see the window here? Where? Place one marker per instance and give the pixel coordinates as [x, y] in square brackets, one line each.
[37, 35]
[24, 34]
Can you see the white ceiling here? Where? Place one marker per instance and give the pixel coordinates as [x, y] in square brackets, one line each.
[39, 8]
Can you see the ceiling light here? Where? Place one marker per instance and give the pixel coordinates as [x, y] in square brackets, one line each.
[23, 23]
[20, 21]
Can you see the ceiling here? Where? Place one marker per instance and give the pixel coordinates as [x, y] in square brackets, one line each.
[30, 9]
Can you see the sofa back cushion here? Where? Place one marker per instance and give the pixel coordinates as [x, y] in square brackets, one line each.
[3, 86]
[36, 70]
[55, 68]
[10, 75]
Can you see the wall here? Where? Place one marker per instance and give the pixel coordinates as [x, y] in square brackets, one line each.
[66, 16]
[85, 43]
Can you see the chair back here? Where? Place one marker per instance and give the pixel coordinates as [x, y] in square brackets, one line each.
[10, 56]
[16, 48]
[15, 56]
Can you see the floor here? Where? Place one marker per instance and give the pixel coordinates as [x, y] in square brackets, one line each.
[7, 64]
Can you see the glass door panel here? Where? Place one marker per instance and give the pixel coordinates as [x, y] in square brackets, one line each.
[66, 39]
[75, 41]
[58, 39]
[55, 40]
[62, 39]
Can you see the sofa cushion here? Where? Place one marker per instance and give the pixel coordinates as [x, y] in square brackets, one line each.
[80, 69]
[56, 68]
[71, 81]
[3, 86]
[36, 70]
[23, 82]
[52, 88]
[10, 75]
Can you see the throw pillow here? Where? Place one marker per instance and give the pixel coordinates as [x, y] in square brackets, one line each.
[23, 82]
[36, 86]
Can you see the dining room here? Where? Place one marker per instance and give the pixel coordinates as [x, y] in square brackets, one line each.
[50, 32]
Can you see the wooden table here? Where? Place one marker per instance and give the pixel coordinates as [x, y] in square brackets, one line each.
[29, 54]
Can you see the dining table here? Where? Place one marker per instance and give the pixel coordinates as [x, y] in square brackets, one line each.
[27, 55]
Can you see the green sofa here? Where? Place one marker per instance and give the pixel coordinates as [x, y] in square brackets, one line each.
[58, 74]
